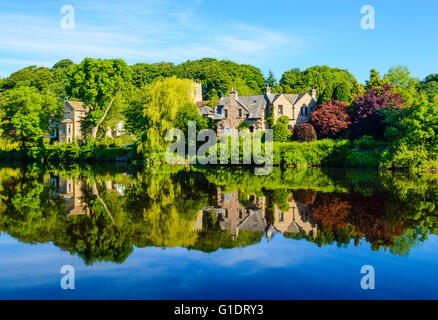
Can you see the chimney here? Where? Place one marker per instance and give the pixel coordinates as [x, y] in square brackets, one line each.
[268, 89]
[233, 96]
[313, 92]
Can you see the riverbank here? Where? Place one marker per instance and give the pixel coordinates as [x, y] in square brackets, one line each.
[342, 153]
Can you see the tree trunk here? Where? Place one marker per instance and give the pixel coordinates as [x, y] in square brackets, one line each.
[96, 127]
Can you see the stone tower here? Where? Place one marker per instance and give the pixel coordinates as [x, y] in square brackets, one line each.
[198, 92]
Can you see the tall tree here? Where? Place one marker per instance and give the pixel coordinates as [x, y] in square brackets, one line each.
[399, 77]
[27, 115]
[97, 83]
[368, 118]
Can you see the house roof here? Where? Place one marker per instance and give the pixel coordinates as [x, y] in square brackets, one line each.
[201, 103]
[77, 105]
[256, 104]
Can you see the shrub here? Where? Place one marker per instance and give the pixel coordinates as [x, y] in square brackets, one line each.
[243, 125]
[304, 133]
[281, 133]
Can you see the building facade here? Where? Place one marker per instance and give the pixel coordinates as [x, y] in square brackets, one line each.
[254, 109]
[69, 129]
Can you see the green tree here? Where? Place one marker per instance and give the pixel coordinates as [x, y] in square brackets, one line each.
[323, 78]
[27, 115]
[40, 78]
[399, 77]
[375, 81]
[97, 83]
[270, 80]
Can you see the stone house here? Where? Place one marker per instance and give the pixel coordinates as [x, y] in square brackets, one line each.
[69, 129]
[251, 215]
[254, 109]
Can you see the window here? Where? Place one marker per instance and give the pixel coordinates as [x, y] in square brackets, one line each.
[240, 113]
[226, 113]
[293, 113]
[240, 214]
[280, 109]
[281, 216]
[68, 129]
[67, 115]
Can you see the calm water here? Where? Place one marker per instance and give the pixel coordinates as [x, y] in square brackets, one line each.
[171, 233]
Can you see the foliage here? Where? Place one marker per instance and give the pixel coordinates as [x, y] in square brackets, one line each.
[368, 118]
[96, 82]
[399, 77]
[156, 120]
[190, 113]
[280, 129]
[331, 119]
[218, 77]
[329, 82]
[27, 114]
[304, 133]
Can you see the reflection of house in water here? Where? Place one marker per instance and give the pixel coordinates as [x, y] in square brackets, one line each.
[249, 213]
[70, 190]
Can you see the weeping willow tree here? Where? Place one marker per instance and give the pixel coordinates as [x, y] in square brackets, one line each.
[161, 102]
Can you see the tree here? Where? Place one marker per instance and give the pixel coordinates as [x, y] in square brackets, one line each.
[342, 92]
[270, 80]
[323, 78]
[218, 77]
[157, 111]
[190, 113]
[304, 133]
[63, 64]
[97, 83]
[429, 86]
[144, 73]
[375, 81]
[331, 120]
[27, 115]
[399, 77]
[415, 126]
[40, 78]
[368, 118]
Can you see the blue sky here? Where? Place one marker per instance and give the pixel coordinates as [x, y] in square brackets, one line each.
[272, 35]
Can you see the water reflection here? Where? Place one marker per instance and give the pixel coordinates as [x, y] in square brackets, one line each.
[100, 214]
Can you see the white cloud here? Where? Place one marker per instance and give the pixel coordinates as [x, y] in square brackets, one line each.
[156, 31]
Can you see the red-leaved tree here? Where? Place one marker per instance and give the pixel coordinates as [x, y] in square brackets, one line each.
[304, 133]
[367, 116]
[331, 119]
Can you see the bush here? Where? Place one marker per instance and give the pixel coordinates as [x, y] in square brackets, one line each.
[402, 157]
[281, 133]
[243, 125]
[323, 152]
[304, 133]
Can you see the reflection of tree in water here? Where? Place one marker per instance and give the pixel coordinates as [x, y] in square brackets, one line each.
[166, 209]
